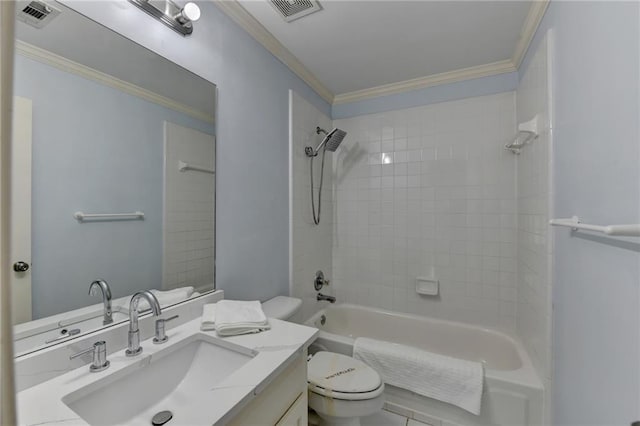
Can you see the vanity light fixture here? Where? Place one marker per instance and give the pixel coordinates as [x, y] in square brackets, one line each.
[179, 19]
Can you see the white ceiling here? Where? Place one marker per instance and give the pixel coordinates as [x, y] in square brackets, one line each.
[355, 45]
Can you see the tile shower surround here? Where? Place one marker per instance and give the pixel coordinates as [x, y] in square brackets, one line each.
[429, 191]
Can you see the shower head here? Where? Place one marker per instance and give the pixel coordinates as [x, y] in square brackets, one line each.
[331, 141]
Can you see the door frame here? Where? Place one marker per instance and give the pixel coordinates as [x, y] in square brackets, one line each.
[7, 384]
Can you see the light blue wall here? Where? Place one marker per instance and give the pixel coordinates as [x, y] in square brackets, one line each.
[596, 347]
[447, 92]
[252, 235]
[95, 149]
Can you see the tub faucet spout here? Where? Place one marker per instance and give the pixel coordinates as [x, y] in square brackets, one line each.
[329, 299]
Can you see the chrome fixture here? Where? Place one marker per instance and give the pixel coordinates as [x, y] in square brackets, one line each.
[329, 299]
[65, 334]
[161, 336]
[161, 418]
[21, 266]
[179, 19]
[319, 281]
[99, 350]
[106, 299]
[331, 142]
[133, 347]
[527, 133]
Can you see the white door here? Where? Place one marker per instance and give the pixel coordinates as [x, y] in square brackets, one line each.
[21, 211]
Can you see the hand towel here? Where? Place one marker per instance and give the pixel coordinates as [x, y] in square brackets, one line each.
[208, 317]
[440, 377]
[233, 317]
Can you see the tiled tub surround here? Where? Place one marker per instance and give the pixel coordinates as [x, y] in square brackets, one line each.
[512, 391]
[188, 209]
[274, 350]
[534, 194]
[310, 244]
[429, 191]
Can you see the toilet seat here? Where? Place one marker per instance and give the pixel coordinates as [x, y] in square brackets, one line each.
[341, 377]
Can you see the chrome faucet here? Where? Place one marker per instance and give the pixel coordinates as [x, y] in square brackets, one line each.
[329, 299]
[134, 347]
[106, 299]
[99, 351]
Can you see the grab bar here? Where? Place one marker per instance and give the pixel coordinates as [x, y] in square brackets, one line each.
[630, 230]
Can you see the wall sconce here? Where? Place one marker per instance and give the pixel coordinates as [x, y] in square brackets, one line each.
[179, 19]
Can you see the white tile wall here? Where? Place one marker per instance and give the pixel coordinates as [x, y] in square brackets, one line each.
[423, 191]
[310, 244]
[189, 209]
[534, 245]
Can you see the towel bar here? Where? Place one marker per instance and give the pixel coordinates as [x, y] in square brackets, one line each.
[628, 230]
[80, 216]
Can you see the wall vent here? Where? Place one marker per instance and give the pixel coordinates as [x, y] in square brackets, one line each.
[36, 13]
[291, 10]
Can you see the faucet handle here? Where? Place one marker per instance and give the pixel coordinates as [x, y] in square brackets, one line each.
[99, 350]
[161, 336]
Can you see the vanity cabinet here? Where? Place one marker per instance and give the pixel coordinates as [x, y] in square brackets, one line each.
[283, 402]
[297, 414]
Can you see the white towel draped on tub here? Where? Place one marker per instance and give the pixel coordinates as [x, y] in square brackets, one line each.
[440, 377]
[233, 317]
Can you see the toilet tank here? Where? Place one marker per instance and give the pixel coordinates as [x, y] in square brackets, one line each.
[283, 308]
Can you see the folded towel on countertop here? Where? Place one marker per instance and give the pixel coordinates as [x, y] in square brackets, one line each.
[208, 317]
[233, 317]
[440, 377]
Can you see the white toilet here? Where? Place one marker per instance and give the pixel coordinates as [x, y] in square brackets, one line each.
[341, 389]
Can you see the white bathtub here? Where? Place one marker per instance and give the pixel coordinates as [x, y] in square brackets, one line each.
[513, 393]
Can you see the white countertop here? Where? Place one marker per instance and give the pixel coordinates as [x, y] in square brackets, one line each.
[43, 405]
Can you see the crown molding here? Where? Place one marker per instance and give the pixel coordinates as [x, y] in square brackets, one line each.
[240, 16]
[531, 23]
[494, 68]
[250, 24]
[44, 56]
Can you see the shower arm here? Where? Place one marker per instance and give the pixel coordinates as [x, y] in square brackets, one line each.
[314, 152]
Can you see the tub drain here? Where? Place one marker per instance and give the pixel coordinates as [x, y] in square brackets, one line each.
[161, 418]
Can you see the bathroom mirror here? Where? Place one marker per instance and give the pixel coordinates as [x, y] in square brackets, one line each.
[113, 176]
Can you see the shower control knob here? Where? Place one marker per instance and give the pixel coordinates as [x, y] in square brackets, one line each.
[21, 266]
[319, 281]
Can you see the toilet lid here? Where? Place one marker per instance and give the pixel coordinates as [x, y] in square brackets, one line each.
[339, 373]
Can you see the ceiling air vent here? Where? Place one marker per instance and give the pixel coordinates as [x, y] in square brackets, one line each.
[295, 9]
[36, 13]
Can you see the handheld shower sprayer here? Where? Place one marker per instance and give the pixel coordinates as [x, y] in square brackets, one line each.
[330, 142]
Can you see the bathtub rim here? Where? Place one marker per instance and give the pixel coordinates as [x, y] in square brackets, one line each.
[526, 375]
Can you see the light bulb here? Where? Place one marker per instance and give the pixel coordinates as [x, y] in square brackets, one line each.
[191, 11]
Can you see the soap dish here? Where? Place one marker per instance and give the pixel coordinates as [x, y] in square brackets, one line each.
[427, 286]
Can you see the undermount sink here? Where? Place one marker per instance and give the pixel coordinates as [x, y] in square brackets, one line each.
[167, 380]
